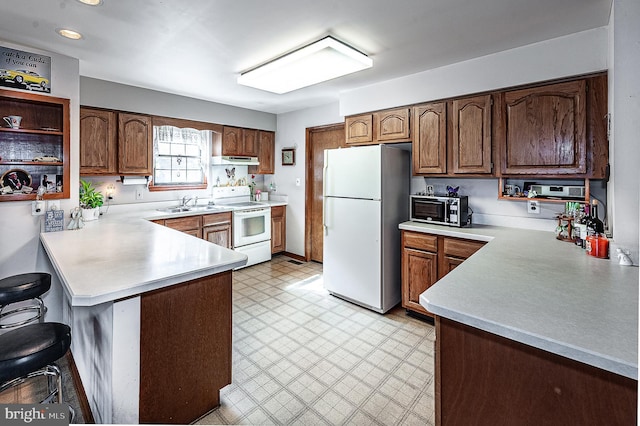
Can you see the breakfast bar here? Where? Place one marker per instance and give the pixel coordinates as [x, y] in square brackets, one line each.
[532, 330]
[150, 313]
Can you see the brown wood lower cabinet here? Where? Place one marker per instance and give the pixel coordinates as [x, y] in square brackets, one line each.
[185, 349]
[485, 379]
[215, 227]
[425, 259]
[278, 229]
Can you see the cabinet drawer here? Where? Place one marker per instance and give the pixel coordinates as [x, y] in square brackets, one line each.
[420, 241]
[184, 223]
[216, 218]
[461, 248]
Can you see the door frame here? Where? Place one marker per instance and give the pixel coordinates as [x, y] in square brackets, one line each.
[309, 183]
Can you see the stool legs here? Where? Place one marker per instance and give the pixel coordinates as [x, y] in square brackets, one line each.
[37, 306]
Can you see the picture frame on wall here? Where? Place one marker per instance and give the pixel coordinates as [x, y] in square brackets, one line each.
[288, 156]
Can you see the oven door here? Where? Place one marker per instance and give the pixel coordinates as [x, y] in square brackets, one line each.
[428, 210]
[251, 226]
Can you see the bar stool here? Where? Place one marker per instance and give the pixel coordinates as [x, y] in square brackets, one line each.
[31, 350]
[22, 288]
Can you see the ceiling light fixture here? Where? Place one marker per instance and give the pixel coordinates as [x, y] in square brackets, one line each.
[320, 61]
[91, 2]
[67, 33]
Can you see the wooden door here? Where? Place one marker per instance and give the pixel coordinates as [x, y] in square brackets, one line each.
[219, 234]
[545, 130]
[318, 139]
[135, 149]
[471, 135]
[429, 139]
[98, 142]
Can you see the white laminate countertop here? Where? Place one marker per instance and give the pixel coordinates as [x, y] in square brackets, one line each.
[532, 288]
[123, 254]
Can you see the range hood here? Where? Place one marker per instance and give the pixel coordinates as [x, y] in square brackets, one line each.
[234, 160]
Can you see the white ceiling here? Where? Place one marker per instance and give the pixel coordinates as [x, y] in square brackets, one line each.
[197, 48]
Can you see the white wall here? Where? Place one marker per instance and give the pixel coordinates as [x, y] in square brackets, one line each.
[625, 150]
[576, 54]
[292, 133]
[20, 248]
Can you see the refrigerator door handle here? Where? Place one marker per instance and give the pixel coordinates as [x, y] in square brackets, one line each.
[324, 191]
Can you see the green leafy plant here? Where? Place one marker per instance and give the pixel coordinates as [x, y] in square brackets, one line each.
[90, 197]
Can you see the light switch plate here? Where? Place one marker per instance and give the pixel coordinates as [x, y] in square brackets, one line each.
[53, 205]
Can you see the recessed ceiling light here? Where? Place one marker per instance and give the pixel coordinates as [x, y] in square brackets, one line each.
[320, 61]
[91, 2]
[67, 33]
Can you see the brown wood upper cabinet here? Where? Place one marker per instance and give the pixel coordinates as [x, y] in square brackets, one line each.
[545, 130]
[266, 154]
[382, 126]
[470, 140]
[359, 129]
[429, 146]
[135, 144]
[98, 142]
[239, 141]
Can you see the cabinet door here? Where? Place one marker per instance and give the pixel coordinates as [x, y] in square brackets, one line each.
[359, 129]
[218, 234]
[545, 130]
[135, 151]
[448, 264]
[429, 139]
[266, 154]
[471, 135]
[98, 142]
[419, 272]
[216, 228]
[278, 229]
[232, 140]
[392, 125]
[250, 142]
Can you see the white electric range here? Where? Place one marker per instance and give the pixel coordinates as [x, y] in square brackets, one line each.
[251, 222]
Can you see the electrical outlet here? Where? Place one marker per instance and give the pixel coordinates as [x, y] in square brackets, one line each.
[53, 205]
[138, 194]
[533, 207]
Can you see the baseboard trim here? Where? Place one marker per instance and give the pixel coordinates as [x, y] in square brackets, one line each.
[82, 396]
[294, 256]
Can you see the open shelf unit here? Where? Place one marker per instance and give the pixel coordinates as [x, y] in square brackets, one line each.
[505, 181]
[44, 132]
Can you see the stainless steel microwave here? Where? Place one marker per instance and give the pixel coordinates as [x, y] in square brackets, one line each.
[441, 210]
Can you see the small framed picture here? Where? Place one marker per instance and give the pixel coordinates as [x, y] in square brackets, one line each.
[288, 156]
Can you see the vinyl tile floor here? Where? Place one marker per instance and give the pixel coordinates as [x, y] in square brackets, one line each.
[304, 357]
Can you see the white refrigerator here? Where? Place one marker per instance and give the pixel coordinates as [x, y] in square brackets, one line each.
[365, 198]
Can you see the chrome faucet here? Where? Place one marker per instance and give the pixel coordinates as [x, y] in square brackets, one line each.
[185, 200]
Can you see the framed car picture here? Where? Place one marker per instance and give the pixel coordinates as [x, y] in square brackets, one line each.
[288, 156]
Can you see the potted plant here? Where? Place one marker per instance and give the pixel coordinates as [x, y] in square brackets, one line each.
[90, 200]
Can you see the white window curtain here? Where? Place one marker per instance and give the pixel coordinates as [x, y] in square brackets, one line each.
[181, 156]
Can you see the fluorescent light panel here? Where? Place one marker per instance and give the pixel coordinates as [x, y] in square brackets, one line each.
[320, 61]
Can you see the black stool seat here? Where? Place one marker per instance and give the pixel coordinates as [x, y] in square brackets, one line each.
[32, 347]
[23, 287]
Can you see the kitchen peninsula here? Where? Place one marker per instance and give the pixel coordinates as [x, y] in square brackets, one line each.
[531, 330]
[150, 313]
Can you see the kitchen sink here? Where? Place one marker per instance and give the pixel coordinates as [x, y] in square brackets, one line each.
[182, 209]
[175, 209]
